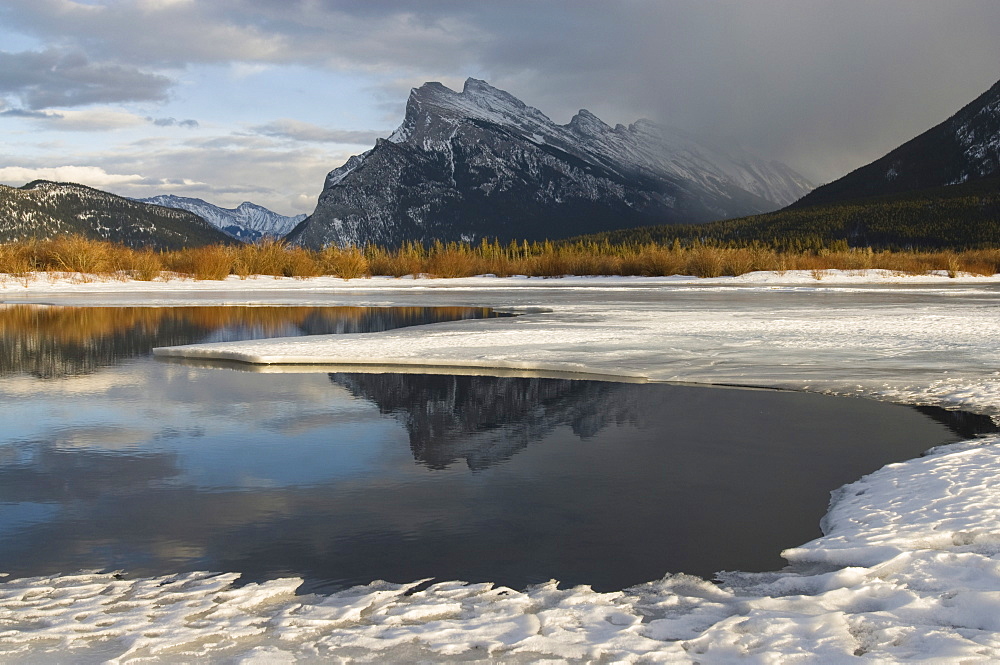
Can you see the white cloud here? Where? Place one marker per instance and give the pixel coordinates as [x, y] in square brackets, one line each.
[85, 175]
[297, 130]
[90, 120]
[225, 170]
[94, 120]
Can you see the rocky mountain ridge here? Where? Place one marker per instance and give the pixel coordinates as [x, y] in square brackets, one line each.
[963, 148]
[43, 209]
[481, 163]
[247, 222]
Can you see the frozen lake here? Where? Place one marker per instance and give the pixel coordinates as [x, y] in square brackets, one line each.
[116, 461]
[906, 568]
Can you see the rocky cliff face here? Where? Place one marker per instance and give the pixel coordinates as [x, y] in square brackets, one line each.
[481, 163]
[963, 148]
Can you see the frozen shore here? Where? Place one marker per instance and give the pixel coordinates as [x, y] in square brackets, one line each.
[909, 568]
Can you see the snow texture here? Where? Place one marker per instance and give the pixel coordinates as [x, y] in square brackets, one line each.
[248, 222]
[908, 568]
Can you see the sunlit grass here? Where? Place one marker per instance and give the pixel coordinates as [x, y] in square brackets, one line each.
[76, 255]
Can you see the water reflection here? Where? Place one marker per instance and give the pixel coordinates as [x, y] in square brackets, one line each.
[50, 342]
[599, 483]
[344, 478]
[483, 420]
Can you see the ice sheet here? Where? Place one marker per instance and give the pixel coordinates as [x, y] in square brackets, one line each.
[909, 568]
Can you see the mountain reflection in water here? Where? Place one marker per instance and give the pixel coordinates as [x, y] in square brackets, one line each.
[484, 420]
[344, 478]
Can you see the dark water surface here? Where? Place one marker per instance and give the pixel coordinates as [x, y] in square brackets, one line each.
[111, 460]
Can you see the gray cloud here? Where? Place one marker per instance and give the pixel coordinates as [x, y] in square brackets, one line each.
[296, 130]
[26, 113]
[824, 85]
[224, 170]
[369, 36]
[45, 79]
[173, 122]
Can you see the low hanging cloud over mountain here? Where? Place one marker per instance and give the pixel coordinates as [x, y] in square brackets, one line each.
[824, 86]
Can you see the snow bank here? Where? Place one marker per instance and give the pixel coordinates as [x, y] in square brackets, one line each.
[61, 283]
[908, 571]
[909, 568]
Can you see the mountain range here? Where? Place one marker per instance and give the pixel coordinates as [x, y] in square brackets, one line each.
[43, 209]
[247, 222]
[940, 190]
[481, 163]
[963, 148]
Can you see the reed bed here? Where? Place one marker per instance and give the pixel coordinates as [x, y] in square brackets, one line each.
[86, 258]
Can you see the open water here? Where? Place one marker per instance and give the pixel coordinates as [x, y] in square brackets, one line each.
[111, 460]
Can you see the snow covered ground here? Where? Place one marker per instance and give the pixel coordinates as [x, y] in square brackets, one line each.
[909, 568]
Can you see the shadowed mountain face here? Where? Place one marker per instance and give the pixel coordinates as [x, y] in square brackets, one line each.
[481, 163]
[42, 210]
[963, 148]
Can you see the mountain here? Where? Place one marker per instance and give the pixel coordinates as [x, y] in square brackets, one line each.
[248, 222]
[481, 163]
[43, 209]
[963, 148]
[958, 217]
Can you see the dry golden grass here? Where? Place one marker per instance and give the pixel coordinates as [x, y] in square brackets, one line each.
[301, 263]
[141, 264]
[452, 261]
[87, 257]
[209, 262]
[17, 260]
[73, 253]
[408, 260]
[348, 262]
[267, 257]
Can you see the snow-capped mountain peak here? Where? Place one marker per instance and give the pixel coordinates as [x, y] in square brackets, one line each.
[482, 163]
[248, 221]
[588, 124]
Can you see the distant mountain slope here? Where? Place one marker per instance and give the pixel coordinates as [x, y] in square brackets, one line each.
[965, 216]
[43, 209]
[481, 163]
[963, 148]
[248, 222]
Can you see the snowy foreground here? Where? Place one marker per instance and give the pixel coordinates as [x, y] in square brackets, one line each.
[909, 568]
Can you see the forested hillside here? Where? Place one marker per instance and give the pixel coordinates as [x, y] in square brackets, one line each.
[965, 216]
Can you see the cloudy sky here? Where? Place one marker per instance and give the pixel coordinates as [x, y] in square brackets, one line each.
[232, 100]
